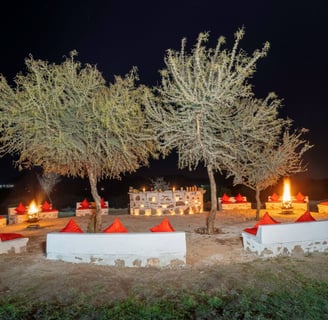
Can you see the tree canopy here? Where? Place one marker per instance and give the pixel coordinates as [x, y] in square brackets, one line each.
[198, 103]
[64, 118]
[205, 109]
[266, 148]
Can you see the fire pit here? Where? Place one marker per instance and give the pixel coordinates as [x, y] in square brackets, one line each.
[33, 214]
[287, 204]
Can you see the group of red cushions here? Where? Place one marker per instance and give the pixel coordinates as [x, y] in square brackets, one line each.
[86, 205]
[267, 219]
[118, 227]
[21, 209]
[299, 197]
[226, 199]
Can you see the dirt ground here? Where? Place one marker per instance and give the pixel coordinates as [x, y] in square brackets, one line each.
[213, 261]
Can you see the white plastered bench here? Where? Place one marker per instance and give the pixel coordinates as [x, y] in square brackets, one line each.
[233, 204]
[79, 212]
[17, 245]
[285, 239]
[157, 249]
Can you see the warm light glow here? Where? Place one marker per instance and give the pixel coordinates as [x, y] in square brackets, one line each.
[286, 197]
[143, 189]
[32, 208]
[173, 189]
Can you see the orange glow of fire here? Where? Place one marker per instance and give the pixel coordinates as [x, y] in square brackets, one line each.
[286, 194]
[32, 208]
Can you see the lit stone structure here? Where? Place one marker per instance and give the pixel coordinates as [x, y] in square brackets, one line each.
[295, 204]
[14, 218]
[171, 202]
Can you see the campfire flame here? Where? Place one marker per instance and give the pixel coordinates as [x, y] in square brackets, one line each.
[32, 208]
[32, 212]
[286, 197]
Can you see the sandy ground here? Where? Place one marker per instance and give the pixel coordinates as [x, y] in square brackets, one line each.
[212, 260]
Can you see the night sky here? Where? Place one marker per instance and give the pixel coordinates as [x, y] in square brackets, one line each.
[117, 35]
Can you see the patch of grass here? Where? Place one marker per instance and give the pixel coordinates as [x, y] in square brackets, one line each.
[307, 301]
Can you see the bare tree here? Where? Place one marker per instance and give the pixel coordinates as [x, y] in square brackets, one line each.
[48, 181]
[265, 147]
[159, 184]
[197, 105]
[64, 118]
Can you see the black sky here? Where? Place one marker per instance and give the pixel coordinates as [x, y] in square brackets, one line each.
[117, 35]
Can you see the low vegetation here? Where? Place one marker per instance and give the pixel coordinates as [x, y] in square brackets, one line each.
[294, 297]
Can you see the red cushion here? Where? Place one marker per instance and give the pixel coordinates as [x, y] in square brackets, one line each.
[251, 230]
[225, 198]
[164, 226]
[116, 226]
[10, 236]
[84, 204]
[266, 219]
[305, 217]
[72, 226]
[300, 197]
[239, 198]
[103, 203]
[46, 206]
[21, 209]
[274, 197]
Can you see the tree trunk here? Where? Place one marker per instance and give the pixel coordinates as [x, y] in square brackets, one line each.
[95, 221]
[258, 203]
[212, 214]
